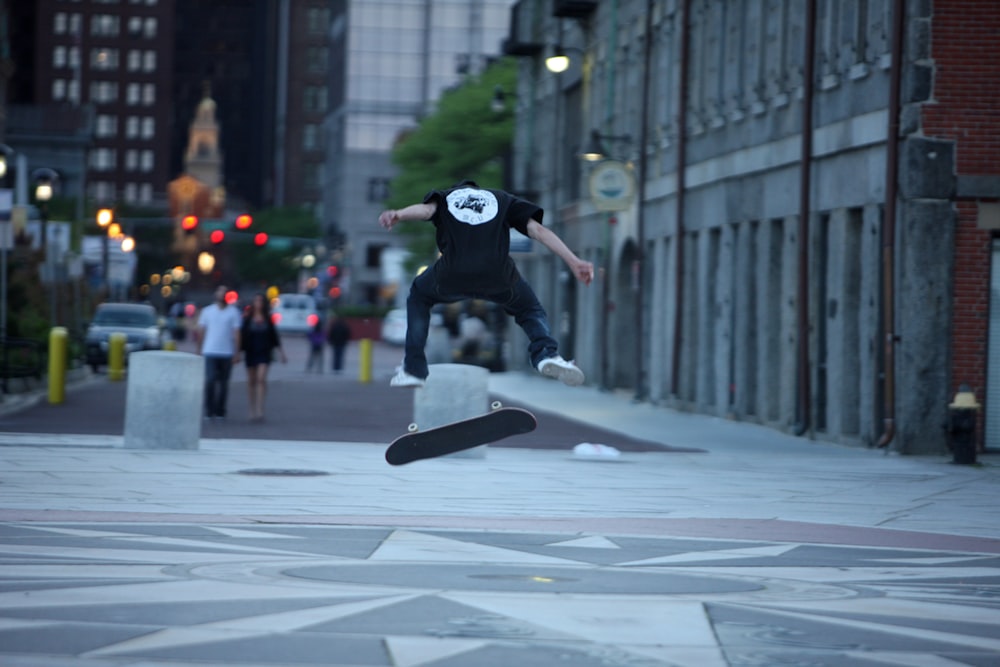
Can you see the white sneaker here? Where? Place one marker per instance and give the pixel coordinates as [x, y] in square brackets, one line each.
[404, 379]
[562, 370]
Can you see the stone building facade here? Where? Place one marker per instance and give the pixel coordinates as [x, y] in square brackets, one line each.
[811, 243]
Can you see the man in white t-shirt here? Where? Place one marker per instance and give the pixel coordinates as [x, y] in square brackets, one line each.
[218, 338]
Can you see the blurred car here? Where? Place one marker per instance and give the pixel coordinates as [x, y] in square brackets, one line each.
[139, 322]
[394, 327]
[294, 313]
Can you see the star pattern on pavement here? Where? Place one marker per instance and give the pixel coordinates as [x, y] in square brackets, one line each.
[99, 594]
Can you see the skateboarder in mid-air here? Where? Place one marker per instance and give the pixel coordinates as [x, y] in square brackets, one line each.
[473, 234]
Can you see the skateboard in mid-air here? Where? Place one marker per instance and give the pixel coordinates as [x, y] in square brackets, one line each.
[498, 423]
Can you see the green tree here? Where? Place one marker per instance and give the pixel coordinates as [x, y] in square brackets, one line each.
[463, 139]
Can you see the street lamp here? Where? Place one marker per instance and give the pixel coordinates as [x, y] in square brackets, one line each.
[558, 61]
[594, 150]
[45, 180]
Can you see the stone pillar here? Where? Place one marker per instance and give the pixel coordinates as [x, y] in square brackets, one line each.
[164, 399]
[452, 392]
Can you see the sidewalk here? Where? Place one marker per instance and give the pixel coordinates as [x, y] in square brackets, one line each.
[761, 548]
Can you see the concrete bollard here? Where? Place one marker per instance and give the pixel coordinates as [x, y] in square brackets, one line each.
[452, 392]
[163, 400]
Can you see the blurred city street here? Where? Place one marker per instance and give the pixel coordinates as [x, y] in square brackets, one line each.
[292, 542]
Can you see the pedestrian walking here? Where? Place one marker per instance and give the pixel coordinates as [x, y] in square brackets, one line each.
[317, 340]
[338, 334]
[218, 341]
[261, 343]
[473, 235]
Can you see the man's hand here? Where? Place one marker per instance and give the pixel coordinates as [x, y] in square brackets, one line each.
[584, 271]
[388, 218]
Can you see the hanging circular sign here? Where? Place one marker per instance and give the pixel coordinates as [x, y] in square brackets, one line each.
[612, 186]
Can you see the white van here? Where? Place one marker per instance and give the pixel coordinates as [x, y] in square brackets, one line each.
[294, 313]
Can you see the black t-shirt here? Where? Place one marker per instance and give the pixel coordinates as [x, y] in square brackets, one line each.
[473, 234]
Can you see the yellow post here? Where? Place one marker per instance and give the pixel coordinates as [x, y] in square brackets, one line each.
[57, 364]
[170, 345]
[365, 354]
[116, 356]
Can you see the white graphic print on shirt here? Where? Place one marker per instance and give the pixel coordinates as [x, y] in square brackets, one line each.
[472, 206]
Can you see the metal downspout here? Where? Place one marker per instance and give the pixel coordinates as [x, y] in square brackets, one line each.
[802, 235]
[889, 229]
[682, 101]
[606, 278]
[640, 366]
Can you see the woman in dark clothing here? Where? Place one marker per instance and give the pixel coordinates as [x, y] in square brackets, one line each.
[259, 341]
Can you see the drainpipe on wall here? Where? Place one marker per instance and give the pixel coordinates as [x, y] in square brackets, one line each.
[682, 101]
[281, 122]
[889, 230]
[640, 366]
[805, 206]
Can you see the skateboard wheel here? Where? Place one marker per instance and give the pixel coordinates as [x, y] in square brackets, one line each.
[496, 405]
[412, 428]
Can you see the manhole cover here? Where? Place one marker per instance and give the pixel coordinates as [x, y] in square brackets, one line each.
[281, 472]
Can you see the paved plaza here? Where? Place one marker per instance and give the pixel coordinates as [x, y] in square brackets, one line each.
[731, 545]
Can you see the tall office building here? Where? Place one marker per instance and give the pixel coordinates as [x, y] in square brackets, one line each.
[390, 62]
[116, 59]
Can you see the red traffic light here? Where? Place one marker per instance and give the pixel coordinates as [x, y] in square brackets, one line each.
[217, 236]
[189, 223]
[243, 221]
[260, 238]
[332, 271]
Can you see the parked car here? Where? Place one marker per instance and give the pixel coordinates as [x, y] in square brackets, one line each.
[294, 313]
[139, 322]
[394, 327]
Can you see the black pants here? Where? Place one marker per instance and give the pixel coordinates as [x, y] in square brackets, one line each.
[217, 372]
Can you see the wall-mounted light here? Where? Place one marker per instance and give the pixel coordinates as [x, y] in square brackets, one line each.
[594, 150]
[45, 181]
[558, 61]
[6, 153]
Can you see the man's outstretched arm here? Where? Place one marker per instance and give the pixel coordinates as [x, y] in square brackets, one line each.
[582, 269]
[389, 218]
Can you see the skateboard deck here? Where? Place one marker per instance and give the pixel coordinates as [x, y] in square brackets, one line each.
[495, 425]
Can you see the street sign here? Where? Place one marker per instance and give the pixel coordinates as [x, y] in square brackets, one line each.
[612, 186]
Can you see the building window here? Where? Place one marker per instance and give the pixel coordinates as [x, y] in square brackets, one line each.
[316, 59]
[310, 137]
[74, 56]
[149, 61]
[104, 59]
[107, 125]
[148, 94]
[131, 127]
[318, 19]
[131, 192]
[133, 61]
[314, 99]
[131, 160]
[73, 92]
[103, 159]
[149, 28]
[59, 57]
[74, 24]
[146, 162]
[59, 23]
[59, 89]
[104, 24]
[132, 94]
[146, 193]
[378, 189]
[135, 26]
[103, 92]
[103, 191]
[148, 127]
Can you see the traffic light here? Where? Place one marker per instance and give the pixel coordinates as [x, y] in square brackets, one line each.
[217, 236]
[189, 223]
[243, 222]
[260, 238]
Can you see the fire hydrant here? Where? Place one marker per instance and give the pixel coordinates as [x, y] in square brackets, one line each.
[963, 413]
